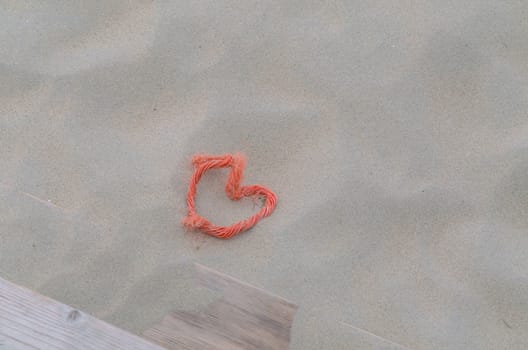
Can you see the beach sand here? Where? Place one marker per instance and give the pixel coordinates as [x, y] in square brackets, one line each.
[393, 133]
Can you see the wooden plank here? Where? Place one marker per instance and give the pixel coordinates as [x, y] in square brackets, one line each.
[31, 321]
[244, 317]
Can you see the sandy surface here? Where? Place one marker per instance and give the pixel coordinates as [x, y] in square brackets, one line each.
[394, 133]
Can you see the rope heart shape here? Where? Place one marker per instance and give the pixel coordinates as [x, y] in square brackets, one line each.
[233, 189]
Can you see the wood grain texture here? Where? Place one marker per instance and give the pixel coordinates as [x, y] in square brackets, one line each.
[243, 318]
[31, 321]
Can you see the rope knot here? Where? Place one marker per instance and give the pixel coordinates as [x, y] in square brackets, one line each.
[194, 222]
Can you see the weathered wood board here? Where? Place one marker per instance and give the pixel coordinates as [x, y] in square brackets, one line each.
[30, 321]
[243, 318]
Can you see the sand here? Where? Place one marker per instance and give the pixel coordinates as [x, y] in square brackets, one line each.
[394, 134]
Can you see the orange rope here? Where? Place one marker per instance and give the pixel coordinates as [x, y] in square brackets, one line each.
[236, 162]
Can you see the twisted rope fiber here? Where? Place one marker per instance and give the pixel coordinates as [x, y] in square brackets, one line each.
[233, 189]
